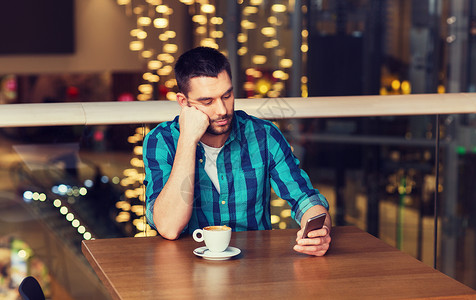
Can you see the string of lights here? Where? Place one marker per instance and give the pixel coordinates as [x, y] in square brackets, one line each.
[63, 208]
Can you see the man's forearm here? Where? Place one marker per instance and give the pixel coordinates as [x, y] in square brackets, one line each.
[173, 206]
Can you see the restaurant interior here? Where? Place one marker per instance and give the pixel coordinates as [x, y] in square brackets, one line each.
[408, 180]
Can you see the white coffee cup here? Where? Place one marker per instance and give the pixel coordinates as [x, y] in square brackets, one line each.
[217, 238]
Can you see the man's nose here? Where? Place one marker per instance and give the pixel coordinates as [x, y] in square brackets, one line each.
[220, 108]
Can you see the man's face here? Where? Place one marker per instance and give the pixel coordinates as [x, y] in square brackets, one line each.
[214, 97]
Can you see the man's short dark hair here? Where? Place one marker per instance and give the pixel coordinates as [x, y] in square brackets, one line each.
[199, 62]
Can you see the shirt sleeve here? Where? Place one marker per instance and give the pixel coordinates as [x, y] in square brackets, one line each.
[288, 180]
[157, 165]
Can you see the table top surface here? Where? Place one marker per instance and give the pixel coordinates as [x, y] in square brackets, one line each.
[357, 265]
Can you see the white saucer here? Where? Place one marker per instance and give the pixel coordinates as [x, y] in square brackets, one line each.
[207, 254]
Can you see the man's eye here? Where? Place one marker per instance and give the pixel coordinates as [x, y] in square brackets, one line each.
[207, 102]
[227, 96]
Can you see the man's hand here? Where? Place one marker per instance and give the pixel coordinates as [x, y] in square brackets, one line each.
[316, 244]
[318, 241]
[193, 123]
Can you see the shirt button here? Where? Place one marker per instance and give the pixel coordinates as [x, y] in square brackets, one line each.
[223, 202]
[221, 176]
[201, 160]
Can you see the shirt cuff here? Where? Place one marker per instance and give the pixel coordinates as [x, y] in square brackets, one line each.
[308, 203]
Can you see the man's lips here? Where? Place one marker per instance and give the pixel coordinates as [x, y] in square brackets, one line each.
[221, 122]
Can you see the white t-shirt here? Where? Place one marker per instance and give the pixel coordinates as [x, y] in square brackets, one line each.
[211, 155]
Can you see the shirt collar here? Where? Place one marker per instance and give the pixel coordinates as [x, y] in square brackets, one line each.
[235, 130]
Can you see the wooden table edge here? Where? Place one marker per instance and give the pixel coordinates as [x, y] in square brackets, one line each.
[99, 271]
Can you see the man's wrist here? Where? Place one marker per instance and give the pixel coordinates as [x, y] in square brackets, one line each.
[187, 142]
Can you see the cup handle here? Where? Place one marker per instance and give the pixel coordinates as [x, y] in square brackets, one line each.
[196, 233]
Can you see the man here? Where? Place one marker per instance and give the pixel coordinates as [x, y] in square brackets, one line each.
[215, 166]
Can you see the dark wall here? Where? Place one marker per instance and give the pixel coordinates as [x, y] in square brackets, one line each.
[37, 27]
[335, 66]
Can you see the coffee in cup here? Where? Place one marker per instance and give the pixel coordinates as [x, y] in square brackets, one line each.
[217, 238]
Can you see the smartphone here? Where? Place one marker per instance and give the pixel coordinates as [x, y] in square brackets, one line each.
[314, 223]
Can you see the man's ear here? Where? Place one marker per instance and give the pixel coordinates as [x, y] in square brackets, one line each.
[182, 100]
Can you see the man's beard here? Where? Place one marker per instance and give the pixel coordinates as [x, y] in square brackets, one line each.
[219, 130]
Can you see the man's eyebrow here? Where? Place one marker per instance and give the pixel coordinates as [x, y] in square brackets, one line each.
[210, 98]
[228, 91]
[203, 99]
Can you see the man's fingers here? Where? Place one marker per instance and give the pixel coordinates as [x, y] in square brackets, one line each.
[320, 232]
[315, 241]
[299, 235]
[312, 250]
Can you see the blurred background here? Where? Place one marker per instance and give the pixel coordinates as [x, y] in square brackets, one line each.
[62, 184]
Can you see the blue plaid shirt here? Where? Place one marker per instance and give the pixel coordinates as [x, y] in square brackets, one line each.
[254, 158]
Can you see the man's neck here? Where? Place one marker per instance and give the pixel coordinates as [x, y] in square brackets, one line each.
[215, 141]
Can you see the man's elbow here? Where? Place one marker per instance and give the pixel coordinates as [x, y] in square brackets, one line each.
[167, 228]
[168, 233]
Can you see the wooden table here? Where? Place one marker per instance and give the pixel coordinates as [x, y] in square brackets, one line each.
[358, 266]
